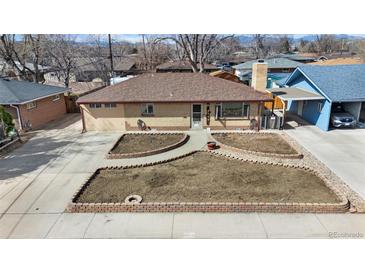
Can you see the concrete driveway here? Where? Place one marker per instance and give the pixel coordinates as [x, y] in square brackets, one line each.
[342, 150]
[38, 180]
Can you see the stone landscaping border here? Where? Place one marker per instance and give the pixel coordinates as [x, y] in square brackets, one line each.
[341, 207]
[257, 153]
[111, 155]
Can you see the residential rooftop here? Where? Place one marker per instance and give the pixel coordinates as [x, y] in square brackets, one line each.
[339, 83]
[339, 61]
[175, 87]
[21, 92]
[272, 63]
[181, 65]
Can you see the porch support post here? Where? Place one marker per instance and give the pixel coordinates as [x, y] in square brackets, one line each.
[259, 116]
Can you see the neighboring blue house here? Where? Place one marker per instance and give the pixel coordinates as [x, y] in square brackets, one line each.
[342, 84]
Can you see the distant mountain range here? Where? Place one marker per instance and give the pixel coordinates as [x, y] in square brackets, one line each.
[244, 38]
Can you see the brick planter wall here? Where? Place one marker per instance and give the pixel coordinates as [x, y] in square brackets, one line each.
[112, 155]
[209, 207]
[263, 154]
[343, 206]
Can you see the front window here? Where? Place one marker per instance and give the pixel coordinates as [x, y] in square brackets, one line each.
[95, 105]
[233, 110]
[110, 105]
[147, 109]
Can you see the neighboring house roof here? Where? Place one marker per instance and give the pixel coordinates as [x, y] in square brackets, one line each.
[339, 83]
[272, 63]
[93, 64]
[5, 65]
[79, 88]
[123, 63]
[181, 65]
[297, 57]
[339, 61]
[175, 87]
[225, 75]
[275, 76]
[21, 92]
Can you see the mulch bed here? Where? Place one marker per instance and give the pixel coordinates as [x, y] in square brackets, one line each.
[133, 143]
[203, 177]
[256, 142]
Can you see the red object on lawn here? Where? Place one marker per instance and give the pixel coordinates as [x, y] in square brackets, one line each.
[211, 145]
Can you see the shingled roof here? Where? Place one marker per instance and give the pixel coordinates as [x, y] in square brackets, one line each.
[21, 92]
[282, 63]
[181, 66]
[174, 87]
[341, 83]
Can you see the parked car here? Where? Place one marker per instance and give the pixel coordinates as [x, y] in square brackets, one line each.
[341, 118]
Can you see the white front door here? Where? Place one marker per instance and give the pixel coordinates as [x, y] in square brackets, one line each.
[196, 115]
[300, 108]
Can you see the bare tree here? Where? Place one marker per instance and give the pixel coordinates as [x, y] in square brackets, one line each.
[359, 49]
[197, 48]
[96, 57]
[226, 49]
[154, 52]
[258, 46]
[62, 52]
[285, 43]
[24, 53]
[326, 43]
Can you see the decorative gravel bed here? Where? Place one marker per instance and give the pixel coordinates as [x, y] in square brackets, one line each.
[204, 177]
[257, 142]
[143, 144]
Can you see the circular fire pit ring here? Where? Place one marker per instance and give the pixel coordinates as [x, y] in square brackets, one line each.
[133, 199]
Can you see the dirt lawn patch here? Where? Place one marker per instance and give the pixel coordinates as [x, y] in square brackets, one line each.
[130, 143]
[203, 177]
[267, 143]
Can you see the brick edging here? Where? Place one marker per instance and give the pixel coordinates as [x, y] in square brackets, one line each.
[75, 207]
[180, 143]
[257, 153]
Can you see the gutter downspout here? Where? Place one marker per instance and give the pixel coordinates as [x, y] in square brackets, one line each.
[19, 116]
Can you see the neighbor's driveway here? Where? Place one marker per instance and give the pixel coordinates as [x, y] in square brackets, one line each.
[342, 150]
[38, 180]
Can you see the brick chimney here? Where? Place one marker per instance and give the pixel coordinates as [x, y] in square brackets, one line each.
[259, 75]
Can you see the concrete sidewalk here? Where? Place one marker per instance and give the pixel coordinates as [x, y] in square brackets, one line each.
[182, 225]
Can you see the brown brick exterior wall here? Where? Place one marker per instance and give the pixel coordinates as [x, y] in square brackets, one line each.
[46, 111]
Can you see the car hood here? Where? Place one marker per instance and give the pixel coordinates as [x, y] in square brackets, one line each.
[342, 115]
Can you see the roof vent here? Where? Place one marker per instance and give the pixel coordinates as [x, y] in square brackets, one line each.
[261, 61]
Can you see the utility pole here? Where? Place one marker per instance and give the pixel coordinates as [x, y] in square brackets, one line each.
[111, 56]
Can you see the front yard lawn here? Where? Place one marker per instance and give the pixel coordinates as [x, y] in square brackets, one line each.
[267, 143]
[133, 143]
[203, 177]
